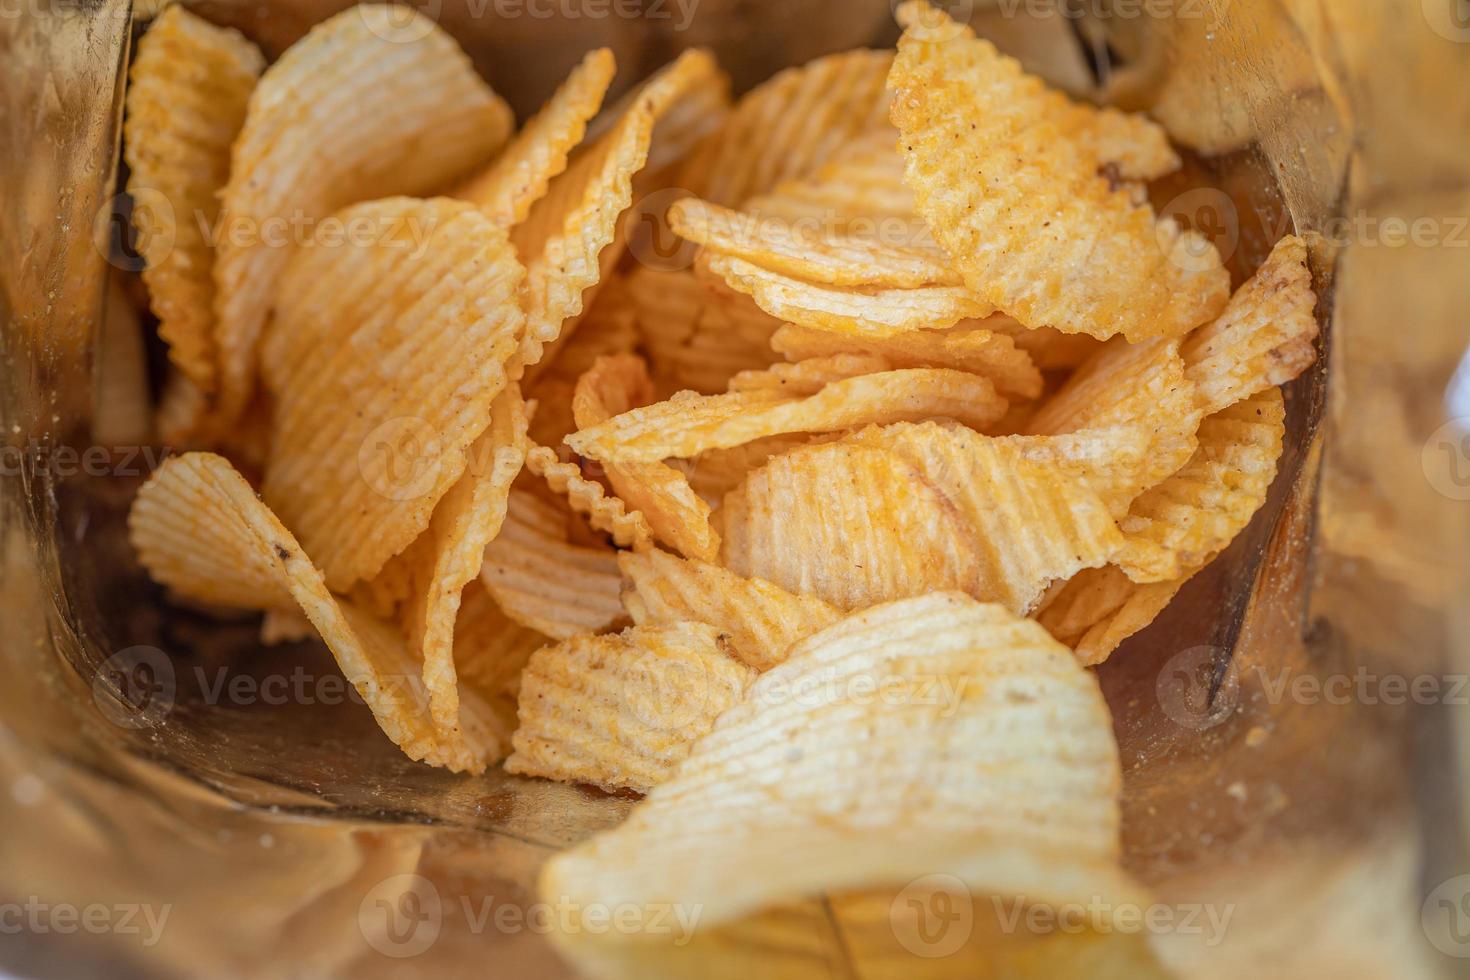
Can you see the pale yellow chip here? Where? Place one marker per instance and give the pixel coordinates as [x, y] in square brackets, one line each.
[689, 424]
[316, 138]
[1050, 350]
[865, 312]
[1113, 461]
[849, 524]
[1264, 337]
[760, 619]
[790, 125]
[716, 472]
[628, 528]
[519, 176]
[675, 513]
[1021, 208]
[186, 98]
[1197, 512]
[931, 734]
[279, 626]
[448, 557]
[815, 255]
[1099, 608]
[491, 650]
[1132, 145]
[967, 347]
[384, 358]
[859, 192]
[621, 711]
[803, 378]
[542, 580]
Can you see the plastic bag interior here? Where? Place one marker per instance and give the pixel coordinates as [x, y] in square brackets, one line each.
[1327, 824]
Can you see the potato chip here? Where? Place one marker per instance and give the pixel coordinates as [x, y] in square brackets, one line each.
[450, 554]
[587, 497]
[988, 755]
[874, 312]
[1049, 350]
[1134, 146]
[1195, 513]
[716, 472]
[789, 125]
[687, 425]
[543, 581]
[316, 139]
[491, 650]
[860, 191]
[804, 378]
[1099, 608]
[279, 626]
[1021, 208]
[186, 98]
[1029, 521]
[621, 711]
[850, 524]
[760, 619]
[1264, 337]
[519, 176]
[695, 341]
[384, 358]
[796, 250]
[970, 348]
[611, 386]
[1113, 461]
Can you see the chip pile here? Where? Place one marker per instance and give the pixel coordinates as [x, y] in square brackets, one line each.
[933, 405]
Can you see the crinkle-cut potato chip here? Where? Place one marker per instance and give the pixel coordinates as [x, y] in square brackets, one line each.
[1028, 521]
[675, 513]
[384, 358]
[450, 553]
[1050, 350]
[1265, 336]
[1098, 608]
[865, 312]
[519, 175]
[565, 233]
[715, 473]
[200, 530]
[1132, 385]
[1177, 525]
[990, 755]
[1022, 210]
[621, 711]
[543, 581]
[1113, 461]
[861, 192]
[1136, 147]
[797, 250]
[761, 619]
[587, 497]
[850, 524]
[803, 378]
[607, 328]
[186, 99]
[316, 139]
[689, 424]
[966, 348]
[491, 649]
[790, 125]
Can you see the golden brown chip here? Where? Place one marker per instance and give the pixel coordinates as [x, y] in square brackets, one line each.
[1114, 461]
[1136, 147]
[761, 619]
[678, 517]
[804, 378]
[689, 424]
[316, 138]
[279, 626]
[859, 192]
[967, 347]
[186, 99]
[384, 358]
[621, 711]
[519, 176]
[543, 581]
[1099, 608]
[491, 650]
[715, 473]
[1264, 337]
[587, 497]
[1050, 350]
[1021, 208]
[934, 734]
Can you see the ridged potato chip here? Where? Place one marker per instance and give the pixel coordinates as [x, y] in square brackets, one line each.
[1099, 608]
[695, 341]
[1175, 526]
[187, 92]
[1264, 337]
[686, 426]
[676, 514]
[609, 514]
[967, 347]
[1021, 208]
[1050, 350]
[621, 711]
[1114, 461]
[934, 734]
[801, 379]
[383, 359]
[860, 191]
[543, 581]
[1133, 145]
[519, 176]
[491, 650]
[716, 472]
[760, 619]
[316, 139]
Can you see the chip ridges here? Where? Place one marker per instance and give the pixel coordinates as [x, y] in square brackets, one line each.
[587, 497]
